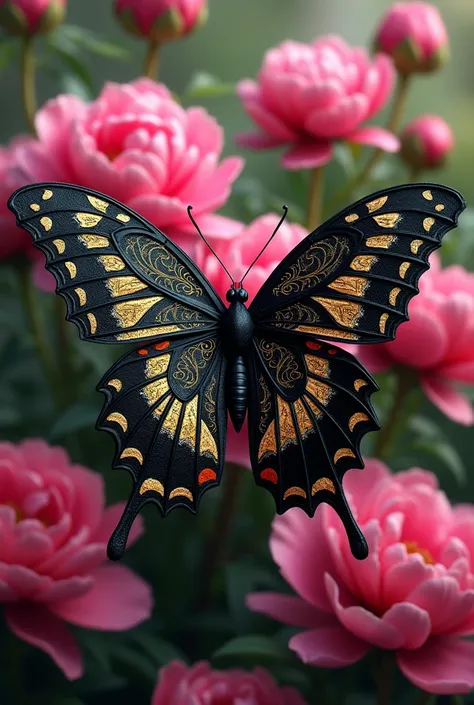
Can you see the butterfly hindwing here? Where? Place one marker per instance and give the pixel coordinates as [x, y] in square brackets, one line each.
[165, 408]
[307, 418]
[123, 280]
[352, 278]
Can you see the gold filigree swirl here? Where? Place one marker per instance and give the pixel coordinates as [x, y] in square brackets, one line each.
[265, 404]
[210, 404]
[192, 360]
[282, 360]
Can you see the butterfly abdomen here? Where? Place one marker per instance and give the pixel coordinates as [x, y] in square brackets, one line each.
[237, 334]
[237, 386]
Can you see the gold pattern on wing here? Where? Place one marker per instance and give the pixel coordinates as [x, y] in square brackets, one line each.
[81, 295]
[305, 424]
[47, 194]
[346, 313]
[35, 207]
[87, 220]
[112, 263]
[294, 491]
[151, 485]
[392, 297]
[317, 365]
[383, 322]
[147, 333]
[357, 418]
[351, 218]
[320, 390]
[317, 413]
[210, 403]
[124, 286]
[92, 322]
[193, 359]
[47, 223]
[119, 419]
[159, 264]
[132, 453]
[381, 241]
[428, 224]
[60, 245]
[129, 313]
[123, 218]
[439, 207]
[268, 442]
[387, 220]
[115, 383]
[363, 263]
[172, 419]
[155, 391]
[351, 286]
[375, 205]
[324, 483]
[71, 268]
[403, 269]
[343, 453]
[292, 315]
[207, 443]
[415, 246]
[314, 265]
[98, 204]
[156, 366]
[428, 195]
[93, 241]
[282, 361]
[181, 492]
[189, 424]
[332, 332]
[287, 428]
[265, 403]
[359, 383]
[177, 313]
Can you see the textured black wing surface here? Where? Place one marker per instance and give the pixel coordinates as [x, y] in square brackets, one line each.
[165, 407]
[122, 279]
[352, 278]
[309, 409]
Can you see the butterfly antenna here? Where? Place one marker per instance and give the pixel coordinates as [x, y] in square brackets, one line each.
[189, 209]
[285, 213]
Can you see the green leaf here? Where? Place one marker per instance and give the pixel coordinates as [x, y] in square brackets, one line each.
[159, 650]
[240, 581]
[9, 49]
[84, 38]
[75, 66]
[252, 646]
[125, 656]
[345, 155]
[205, 85]
[77, 417]
[431, 440]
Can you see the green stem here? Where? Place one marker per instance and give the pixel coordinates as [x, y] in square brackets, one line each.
[28, 82]
[315, 198]
[66, 368]
[216, 543]
[384, 675]
[152, 61]
[405, 383]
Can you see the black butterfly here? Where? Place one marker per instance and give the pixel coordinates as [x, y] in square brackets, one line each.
[308, 401]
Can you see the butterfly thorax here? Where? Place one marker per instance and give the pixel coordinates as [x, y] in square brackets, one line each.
[236, 328]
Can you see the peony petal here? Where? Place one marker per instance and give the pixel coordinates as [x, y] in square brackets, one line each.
[37, 626]
[329, 647]
[443, 666]
[443, 600]
[421, 342]
[254, 140]
[413, 622]
[237, 447]
[307, 155]
[375, 137]
[289, 610]
[110, 519]
[118, 600]
[269, 123]
[452, 403]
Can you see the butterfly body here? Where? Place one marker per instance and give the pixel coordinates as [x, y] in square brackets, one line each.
[197, 362]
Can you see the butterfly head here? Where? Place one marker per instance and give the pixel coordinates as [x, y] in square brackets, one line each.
[237, 293]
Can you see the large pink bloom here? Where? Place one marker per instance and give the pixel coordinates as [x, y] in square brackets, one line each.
[414, 594]
[13, 241]
[237, 254]
[200, 685]
[438, 340]
[54, 529]
[309, 95]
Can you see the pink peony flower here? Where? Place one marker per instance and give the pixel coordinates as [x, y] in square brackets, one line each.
[414, 35]
[438, 340]
[54, 530]
[13, 241]
[200, 685]
[309, 95]
[161, 20]
[414, 594]
[31, 16]
[426, 142]
[237, 254]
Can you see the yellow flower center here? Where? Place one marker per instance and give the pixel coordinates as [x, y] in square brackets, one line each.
[412, 547]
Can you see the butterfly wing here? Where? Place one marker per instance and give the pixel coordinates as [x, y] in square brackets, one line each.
[122, 279]
[352, 278]
[309, 409]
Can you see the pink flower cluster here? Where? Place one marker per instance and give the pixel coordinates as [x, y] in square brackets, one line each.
[414, 594]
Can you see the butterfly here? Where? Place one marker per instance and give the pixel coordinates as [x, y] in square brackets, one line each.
[198, 359]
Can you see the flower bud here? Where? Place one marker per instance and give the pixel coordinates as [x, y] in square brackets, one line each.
[161, 20]
[415, 36]
[28, 17]
[426, 142]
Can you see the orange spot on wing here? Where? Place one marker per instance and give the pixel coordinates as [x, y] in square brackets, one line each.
[206, 475]
[270, 475]
[162, 346]
[312, 346]
[143, 352]
[332, 351]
